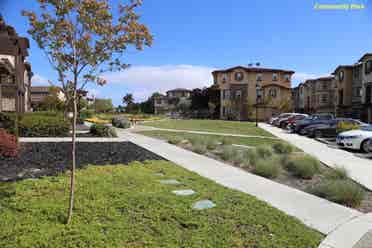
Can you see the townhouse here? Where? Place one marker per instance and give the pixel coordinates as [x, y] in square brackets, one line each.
[245, 90]
[15, 71]
[167, 103]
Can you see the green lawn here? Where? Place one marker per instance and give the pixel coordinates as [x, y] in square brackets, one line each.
[166, 135]
[126, 206]
[234, 127]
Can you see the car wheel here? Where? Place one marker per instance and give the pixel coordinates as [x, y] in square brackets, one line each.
[318, 134]
[364, 146]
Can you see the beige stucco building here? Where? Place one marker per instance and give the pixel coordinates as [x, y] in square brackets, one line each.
[164, 104]
[15, 72]
[238, 86]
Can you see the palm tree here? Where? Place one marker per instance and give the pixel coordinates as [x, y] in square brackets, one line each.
[128, 101]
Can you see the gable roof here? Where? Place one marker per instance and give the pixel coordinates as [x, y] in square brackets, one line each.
[253, 69]
[364, 56]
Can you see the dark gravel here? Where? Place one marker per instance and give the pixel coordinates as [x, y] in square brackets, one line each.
[45, 159]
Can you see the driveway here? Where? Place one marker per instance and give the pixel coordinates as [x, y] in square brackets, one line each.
[359, 168]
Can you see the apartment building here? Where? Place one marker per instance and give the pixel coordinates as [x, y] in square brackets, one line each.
[15, 72]
[164, 104]
[242, 87]
[353, 89]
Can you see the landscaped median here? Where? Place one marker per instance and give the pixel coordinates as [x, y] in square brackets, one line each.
[277, 160]
[127, 206]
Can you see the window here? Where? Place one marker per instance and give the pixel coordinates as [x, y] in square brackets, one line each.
[368, 67]
[324, 98]
[259, 77]
[324, 86]
[158, 101]
[224, 78]
[272, 93]
[238, 94]
[358, 91]
[341, 76]
[225, 94]
[223, 111]
[275, 77]
[287, 77]
[239, 76]
[356, 72]
[340, 97]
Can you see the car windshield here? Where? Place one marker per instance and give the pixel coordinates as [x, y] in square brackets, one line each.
[367, 128]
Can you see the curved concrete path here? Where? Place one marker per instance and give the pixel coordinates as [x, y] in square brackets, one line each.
[315, 212]
[359, 169]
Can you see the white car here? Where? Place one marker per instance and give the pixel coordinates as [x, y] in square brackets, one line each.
[355, 139]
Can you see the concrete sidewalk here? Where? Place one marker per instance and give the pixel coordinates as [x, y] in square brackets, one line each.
[359, 169]
[315, 212]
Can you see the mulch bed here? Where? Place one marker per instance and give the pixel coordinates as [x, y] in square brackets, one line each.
[50, 158]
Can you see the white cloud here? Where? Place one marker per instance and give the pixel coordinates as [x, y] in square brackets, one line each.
[39, 80]
[142, 81]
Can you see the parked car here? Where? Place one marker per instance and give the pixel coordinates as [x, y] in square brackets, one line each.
[275, 120]
[292, 119]
[279, 121]
[329, 129]
[370, 145]
[314, 119]
[355, 139]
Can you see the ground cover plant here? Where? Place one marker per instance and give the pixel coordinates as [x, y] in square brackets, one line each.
[234, 127]
[278, 161]
[126, 206]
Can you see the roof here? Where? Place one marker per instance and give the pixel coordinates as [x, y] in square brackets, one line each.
[364, 56]
[179, 89]
[275, 84]
[254, 69]
[343, 66]
[327, 78]
[40, 89]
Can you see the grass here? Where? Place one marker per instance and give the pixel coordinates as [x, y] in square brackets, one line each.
[304, 167]
[234, 127]
[340, 191]
[269, 167]
[126, 206]
[166, 135]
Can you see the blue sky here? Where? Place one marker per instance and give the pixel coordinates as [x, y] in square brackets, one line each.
[191, 38]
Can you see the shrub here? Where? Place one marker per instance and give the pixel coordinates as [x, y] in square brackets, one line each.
[346, 126]
[282, 148]
[226, 141]
[85, 114]
[303, 166]
[199, 148]
[40, 125]
[7, 121]
[102, 131]
[337, 173]
[268, 168]
[9, 146]
[120, 122]
[97, 120]
[211, 144]
[174, 140]
[264, 151]
[340, 191]
[228, 153]
[196, 140]
[250, 157]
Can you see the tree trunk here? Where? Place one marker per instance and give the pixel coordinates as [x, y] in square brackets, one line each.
[73, 152]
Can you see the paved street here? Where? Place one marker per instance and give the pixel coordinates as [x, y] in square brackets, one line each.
[359, 168]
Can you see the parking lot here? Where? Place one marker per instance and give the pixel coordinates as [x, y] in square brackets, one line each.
[358, 165]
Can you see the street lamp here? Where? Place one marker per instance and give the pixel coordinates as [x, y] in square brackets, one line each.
[258, 98]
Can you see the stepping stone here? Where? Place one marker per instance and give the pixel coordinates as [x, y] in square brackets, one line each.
[170, 182]
[184, 192]
[203, 204]
[159, 174]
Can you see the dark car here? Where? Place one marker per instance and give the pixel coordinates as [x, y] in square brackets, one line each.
[314, 119]
[277, 121]
[329, 129]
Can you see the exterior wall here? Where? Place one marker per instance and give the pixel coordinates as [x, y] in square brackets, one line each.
[367, 88]
[244, 109]
[344, 91]
[324, 95]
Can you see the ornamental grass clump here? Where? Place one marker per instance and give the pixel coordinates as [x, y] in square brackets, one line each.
[228, 153]
[282, 148]
[264, 151]
[199, 148]
[340, 191]
[175, 140]
[304, 167]
[337, 173]
[212, 144]
[269, 167]
[250, 157]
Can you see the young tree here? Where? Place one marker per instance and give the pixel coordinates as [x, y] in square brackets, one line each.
[82, 40]
[128, 101]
